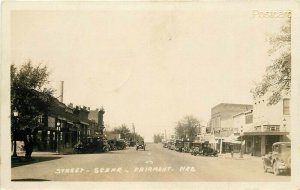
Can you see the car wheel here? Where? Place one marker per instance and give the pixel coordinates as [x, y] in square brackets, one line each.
[275, 169]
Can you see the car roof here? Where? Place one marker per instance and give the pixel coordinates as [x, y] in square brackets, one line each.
[277, 143]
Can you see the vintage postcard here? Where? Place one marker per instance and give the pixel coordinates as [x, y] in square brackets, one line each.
[150, 95]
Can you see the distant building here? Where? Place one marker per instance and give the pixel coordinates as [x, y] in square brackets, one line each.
[242, 123]
[96, 120]
[221, 122]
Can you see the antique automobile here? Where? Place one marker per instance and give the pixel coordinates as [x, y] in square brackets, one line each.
[208, 150]
[120, 144]
[169, 144]
[92, 145]
[172, 147]
[196, 148]
[140, 145]
[179, 145]
[117, 144]
[187, 146]
[112, 144]
[279, 160]
[165, 144]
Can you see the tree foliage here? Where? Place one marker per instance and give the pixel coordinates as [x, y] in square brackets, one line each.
[125, 133]
[187, 128]
[277, 79]
[123, 130]
[157, 138]
[28, 96]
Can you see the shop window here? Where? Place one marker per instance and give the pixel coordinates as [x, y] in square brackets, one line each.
[39, 136]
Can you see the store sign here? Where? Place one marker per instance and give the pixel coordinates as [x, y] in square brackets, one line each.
[51, 122]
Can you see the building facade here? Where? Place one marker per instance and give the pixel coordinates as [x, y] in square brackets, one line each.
[243, 122]
[271, 123]
[96, 118]
[221, 122]
[64, 126]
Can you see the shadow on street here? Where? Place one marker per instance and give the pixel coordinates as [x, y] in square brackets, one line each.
[34, 159]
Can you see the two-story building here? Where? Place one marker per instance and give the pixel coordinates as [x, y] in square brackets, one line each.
[221, 122]
[271, 123]
[243, 122]
[61, 127]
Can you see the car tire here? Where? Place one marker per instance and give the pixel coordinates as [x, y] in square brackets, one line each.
[275, 169]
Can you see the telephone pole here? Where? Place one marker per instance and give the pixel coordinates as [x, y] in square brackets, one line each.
[133, 129]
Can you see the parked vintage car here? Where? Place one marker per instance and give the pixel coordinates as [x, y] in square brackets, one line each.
[92, 145]
[165, 144]
[203, 148]
[117, 144]
[171, 145]
[140, 145]
[207, 150]
[196, 148]
[279, 160]
[187, 146]
[179, 145]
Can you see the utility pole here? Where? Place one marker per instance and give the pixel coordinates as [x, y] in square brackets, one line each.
[62, 91]
[133, 129]
[165, 134]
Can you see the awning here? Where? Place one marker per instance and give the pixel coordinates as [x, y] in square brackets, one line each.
[213, 141]
[70, 122]
[84, 123]
[232, 139]
[61, 118]
[264, 133]
[234, 142]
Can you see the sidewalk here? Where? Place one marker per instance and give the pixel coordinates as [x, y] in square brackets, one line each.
[36, 157]
[236, 156]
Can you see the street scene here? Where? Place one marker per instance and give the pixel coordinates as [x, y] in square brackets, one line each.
[154, 164]
[159, 95]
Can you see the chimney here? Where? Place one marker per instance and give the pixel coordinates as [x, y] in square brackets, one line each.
[61, 91]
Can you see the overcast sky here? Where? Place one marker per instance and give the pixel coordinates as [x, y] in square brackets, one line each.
[150, 68]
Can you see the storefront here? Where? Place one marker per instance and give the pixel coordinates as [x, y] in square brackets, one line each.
[260, 143]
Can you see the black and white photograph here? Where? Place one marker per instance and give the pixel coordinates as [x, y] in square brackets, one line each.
[149, 92]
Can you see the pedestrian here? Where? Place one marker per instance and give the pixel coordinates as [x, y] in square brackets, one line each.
[231, 150]
[28, 146]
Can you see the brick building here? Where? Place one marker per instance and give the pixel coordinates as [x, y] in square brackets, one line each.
[61, 127]
[221, 122]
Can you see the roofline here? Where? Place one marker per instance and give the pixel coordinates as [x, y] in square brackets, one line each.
[232, 104]
[245, 112]
[281, 143]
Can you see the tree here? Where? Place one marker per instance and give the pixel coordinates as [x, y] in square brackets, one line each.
[28, 95]
[157, 138]
[277, 80]
[123, 130]
[125, 133]
[187, 128]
